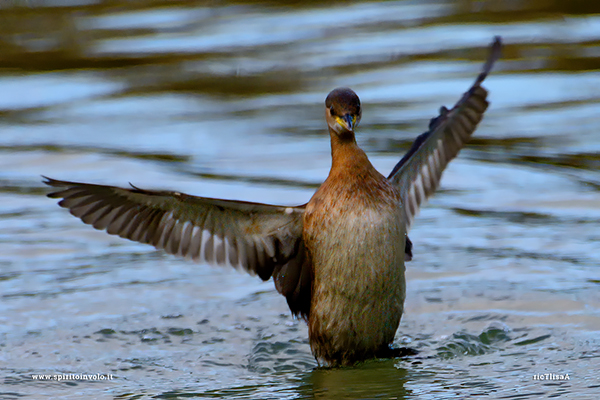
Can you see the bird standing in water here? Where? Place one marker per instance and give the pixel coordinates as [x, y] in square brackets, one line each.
[339, 259]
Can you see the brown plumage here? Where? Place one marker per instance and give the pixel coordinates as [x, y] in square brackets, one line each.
[339, 259]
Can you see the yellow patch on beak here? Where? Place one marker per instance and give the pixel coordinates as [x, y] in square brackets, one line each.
[348, 122]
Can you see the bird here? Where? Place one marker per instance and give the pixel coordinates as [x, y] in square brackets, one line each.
[339, 260]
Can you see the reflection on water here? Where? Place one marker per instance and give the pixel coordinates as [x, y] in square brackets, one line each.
[225, 100]
[371, 380]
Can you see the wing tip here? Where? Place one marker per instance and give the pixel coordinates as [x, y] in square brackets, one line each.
[50, 182]
[494, 54]
[55, 183]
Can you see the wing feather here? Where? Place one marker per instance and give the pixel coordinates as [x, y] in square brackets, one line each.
[259, 238]
[418, 173]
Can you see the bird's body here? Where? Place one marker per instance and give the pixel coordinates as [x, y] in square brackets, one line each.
[339, 259]
[356, 240]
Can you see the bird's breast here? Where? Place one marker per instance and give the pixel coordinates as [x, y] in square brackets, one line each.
[355, 236]
[355, 245]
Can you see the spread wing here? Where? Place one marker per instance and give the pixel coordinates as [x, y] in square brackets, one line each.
[262, 239]
[418, 173]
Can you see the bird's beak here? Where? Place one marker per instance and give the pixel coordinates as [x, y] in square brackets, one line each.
[347, 121]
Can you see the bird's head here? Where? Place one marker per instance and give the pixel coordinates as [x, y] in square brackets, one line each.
[342, 111]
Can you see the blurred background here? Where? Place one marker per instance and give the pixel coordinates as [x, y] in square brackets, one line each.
[225, 99]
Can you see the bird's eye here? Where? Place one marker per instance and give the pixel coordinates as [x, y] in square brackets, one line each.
[331, 110]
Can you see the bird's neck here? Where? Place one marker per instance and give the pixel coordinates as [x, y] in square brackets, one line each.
[353, 180]
[345, 153]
